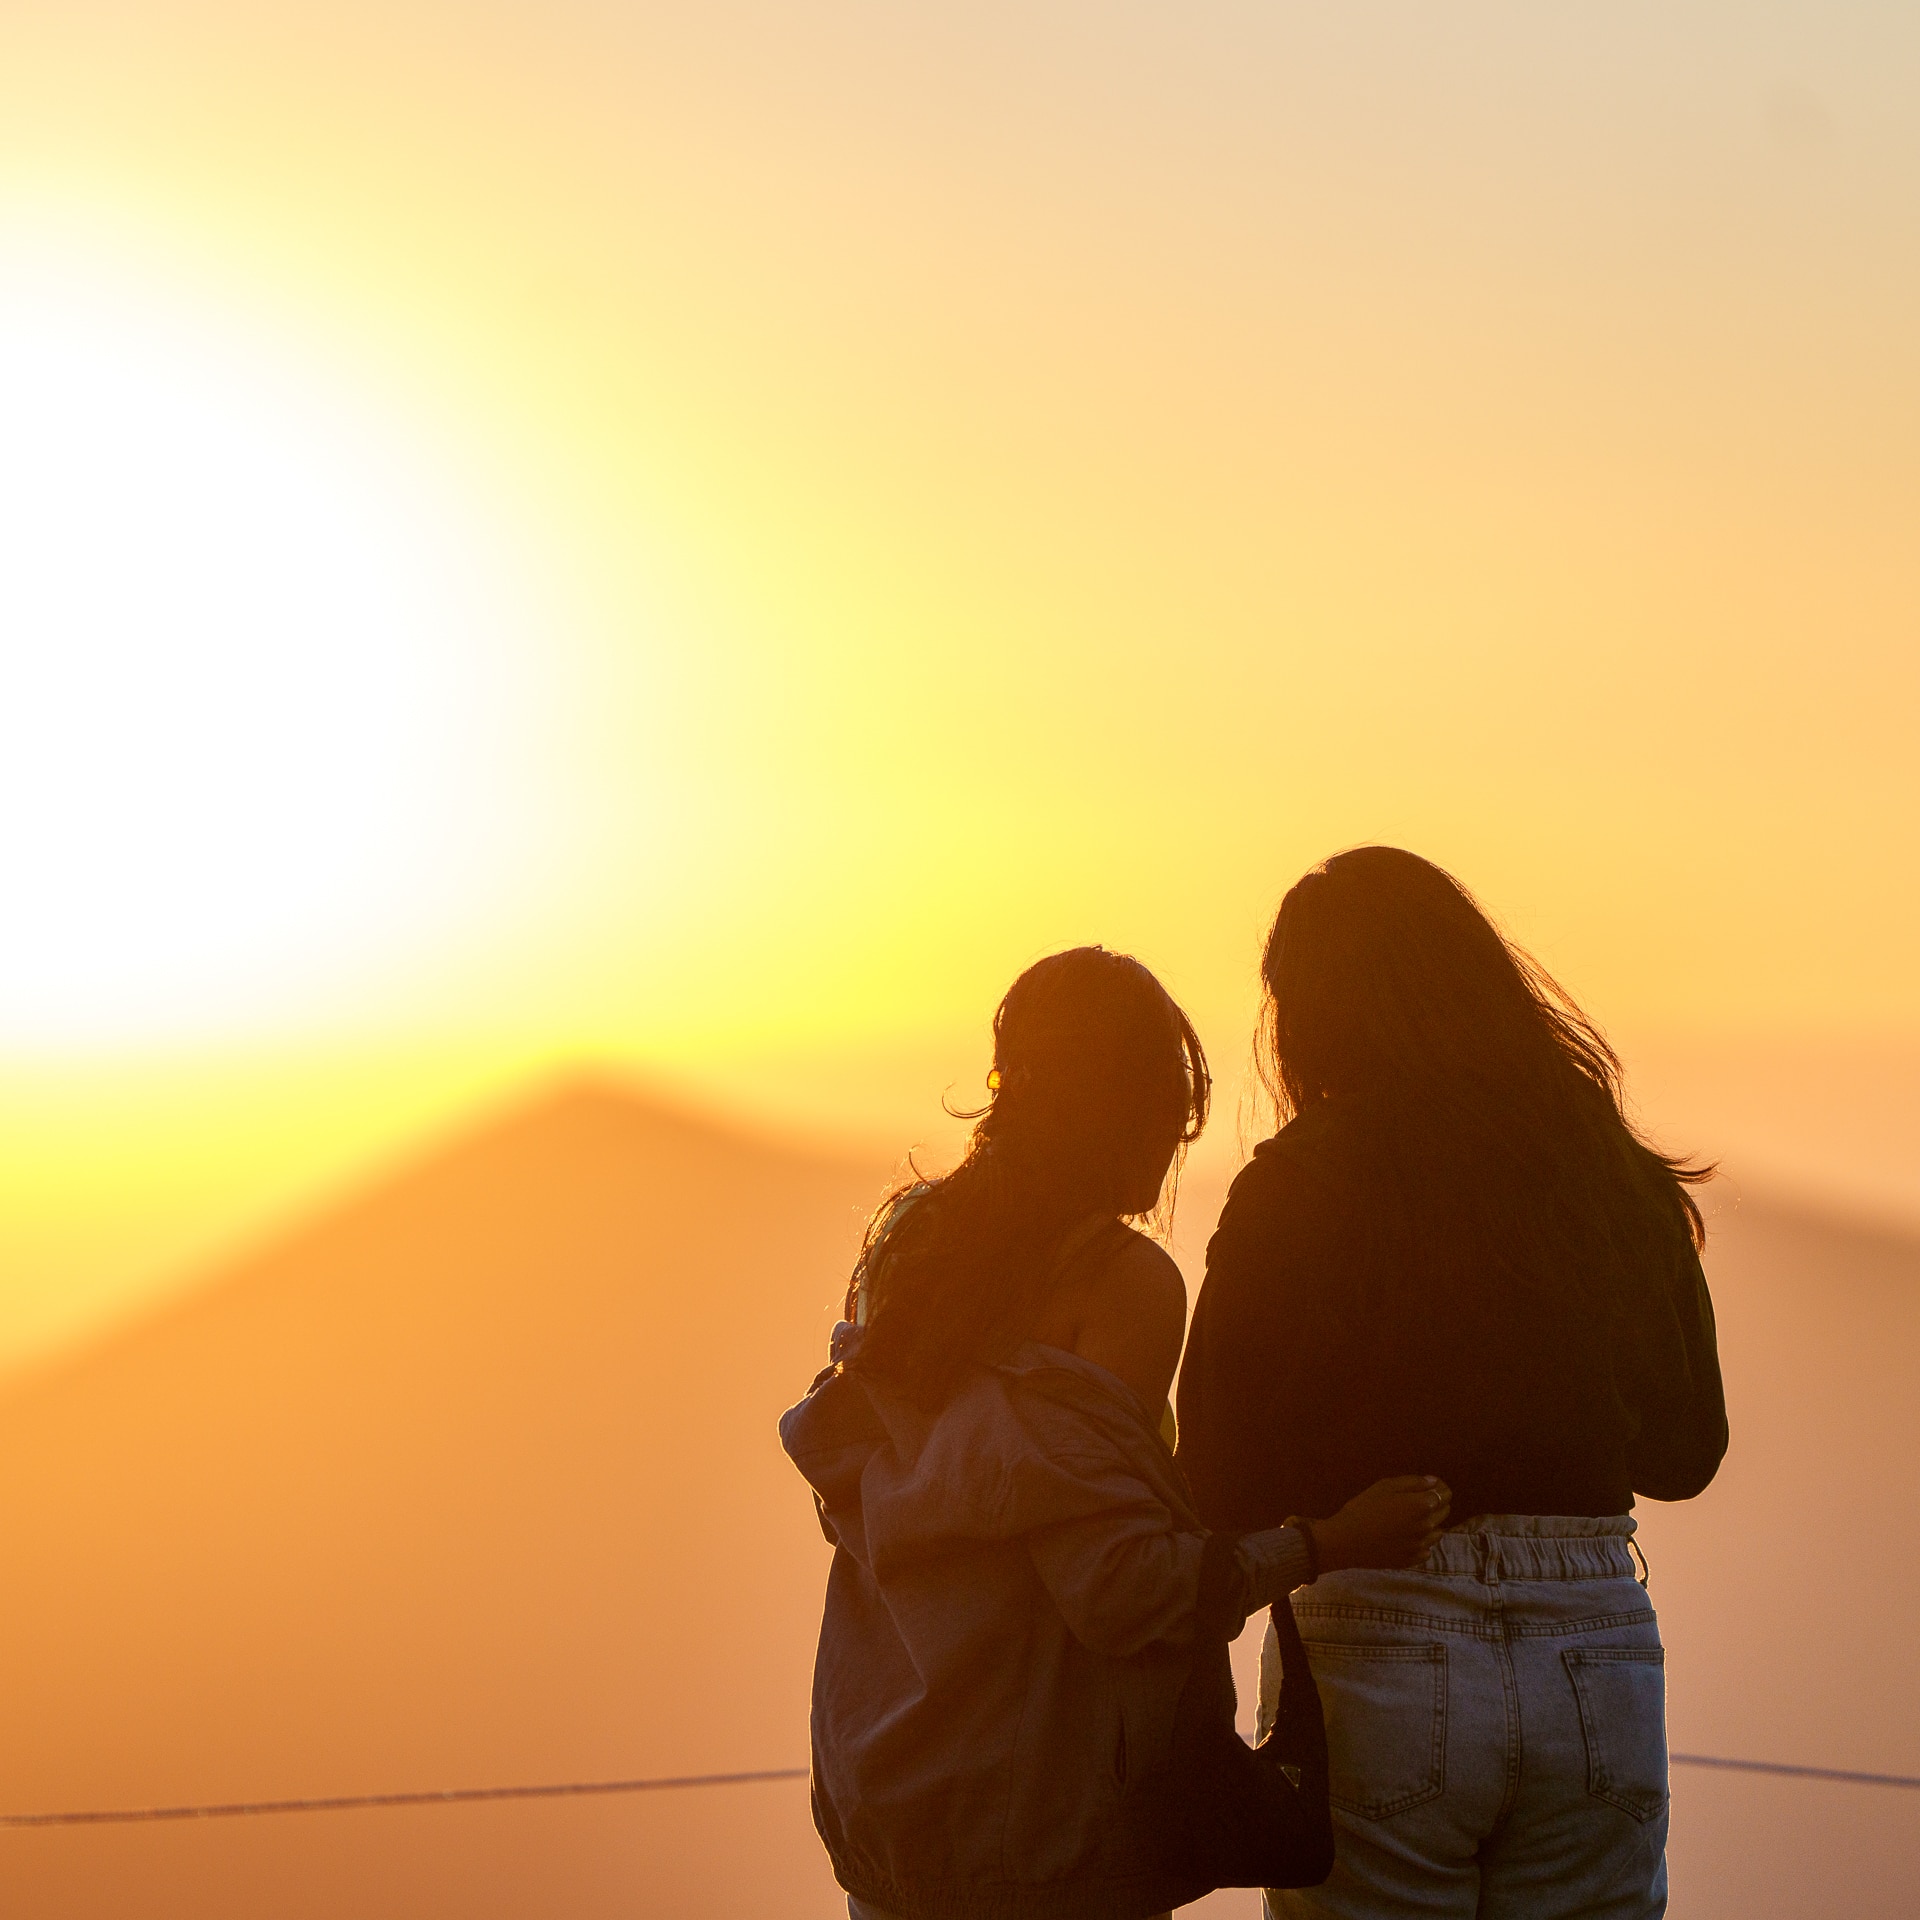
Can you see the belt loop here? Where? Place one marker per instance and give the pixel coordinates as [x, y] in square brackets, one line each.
[1646, 1572]
[1496, 1601]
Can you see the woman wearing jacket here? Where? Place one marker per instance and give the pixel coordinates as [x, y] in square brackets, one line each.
[1010, 1614]
[1457, 1254]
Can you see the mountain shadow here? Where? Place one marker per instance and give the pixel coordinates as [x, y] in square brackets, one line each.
[472, 1482]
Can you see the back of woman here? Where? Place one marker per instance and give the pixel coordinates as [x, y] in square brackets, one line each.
[1021, 1591]
[1457, 1258]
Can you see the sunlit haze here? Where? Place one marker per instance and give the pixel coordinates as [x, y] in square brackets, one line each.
[257, 677]
[700, 540]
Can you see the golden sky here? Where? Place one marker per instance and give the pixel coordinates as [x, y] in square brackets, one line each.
[706, 537]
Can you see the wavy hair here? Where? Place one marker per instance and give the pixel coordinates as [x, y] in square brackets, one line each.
[1096, 1074]
[1492, 1107]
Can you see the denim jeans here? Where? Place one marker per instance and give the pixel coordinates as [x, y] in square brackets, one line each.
[1496, 1723]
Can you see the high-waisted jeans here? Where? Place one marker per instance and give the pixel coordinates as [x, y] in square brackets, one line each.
[1497, 1729]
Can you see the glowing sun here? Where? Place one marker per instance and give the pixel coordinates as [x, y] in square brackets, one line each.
[260, 662]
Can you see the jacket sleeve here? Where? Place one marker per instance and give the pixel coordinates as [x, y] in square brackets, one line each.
[1683, 1431]
[1122, 1572]
[1127, 1578]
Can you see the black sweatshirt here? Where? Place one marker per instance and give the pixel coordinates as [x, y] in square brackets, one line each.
[1315, 1366]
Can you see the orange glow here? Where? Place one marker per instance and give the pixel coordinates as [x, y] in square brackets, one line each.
[976, 480]
[582, 584]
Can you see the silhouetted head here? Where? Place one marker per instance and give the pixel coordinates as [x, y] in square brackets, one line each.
[1495, 1103]
[1381, 970]
[1098, 1082]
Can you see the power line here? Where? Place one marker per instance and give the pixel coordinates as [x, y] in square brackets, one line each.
[574, 1789]
[348, 1802]
[1796, 1773]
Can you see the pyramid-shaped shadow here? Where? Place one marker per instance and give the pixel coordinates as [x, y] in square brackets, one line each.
[473, 1481]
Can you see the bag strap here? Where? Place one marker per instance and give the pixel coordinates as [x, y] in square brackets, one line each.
[1298, 1736]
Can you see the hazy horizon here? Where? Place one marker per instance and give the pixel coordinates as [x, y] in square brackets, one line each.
[1828, 1129]
[393, 1507]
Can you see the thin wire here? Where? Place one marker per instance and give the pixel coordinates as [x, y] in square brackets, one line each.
[343, 1803]
[570, 1789]
[1796, 1773]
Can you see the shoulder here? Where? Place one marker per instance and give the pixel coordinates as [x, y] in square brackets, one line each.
[1131, 1316]
[1297, 1175]
[1287, 1216]
[1128, 1281]
[1143, 1279]
[1314, 1145]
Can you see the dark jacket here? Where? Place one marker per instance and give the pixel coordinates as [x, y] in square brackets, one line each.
[1009, 1623]
[1317, 1363]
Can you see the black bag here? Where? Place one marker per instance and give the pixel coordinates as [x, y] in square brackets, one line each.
[1234, 1815]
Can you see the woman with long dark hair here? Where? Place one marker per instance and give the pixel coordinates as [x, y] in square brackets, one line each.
[1457, 1252]
[1012, 1611]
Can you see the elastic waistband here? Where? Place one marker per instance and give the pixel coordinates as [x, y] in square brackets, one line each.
[1534, 1546]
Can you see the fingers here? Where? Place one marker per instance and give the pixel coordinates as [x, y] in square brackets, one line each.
[1432, 1493]
[1427, 1501]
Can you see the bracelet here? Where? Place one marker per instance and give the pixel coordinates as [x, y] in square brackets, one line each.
[1304, 1528]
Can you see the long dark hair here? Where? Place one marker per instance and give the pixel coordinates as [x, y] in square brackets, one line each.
[1492, 1106]
[1096, 1072]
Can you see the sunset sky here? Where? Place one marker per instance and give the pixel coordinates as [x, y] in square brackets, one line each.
[703, 538]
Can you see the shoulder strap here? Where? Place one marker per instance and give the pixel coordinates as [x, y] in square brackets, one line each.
[1097, 1240]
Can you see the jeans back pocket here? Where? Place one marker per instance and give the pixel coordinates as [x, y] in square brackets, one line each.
[1386, 1710]
[1622, 1694]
